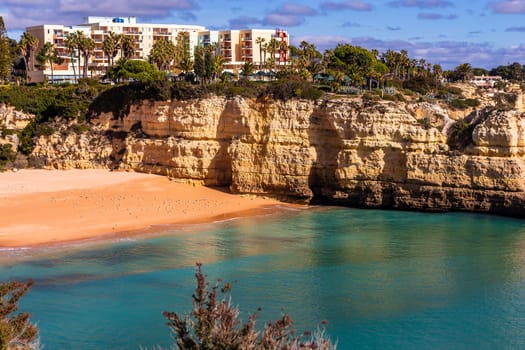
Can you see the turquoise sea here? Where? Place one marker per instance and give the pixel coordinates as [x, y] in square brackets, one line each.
[382, 279]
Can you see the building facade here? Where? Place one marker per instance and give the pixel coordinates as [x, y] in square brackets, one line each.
[236, 46]
[252, 45]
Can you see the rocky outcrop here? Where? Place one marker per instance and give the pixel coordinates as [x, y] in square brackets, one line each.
[344, 151]
[12, 119]
[73, 151]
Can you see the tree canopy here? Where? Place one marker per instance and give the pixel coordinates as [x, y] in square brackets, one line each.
[135, 70]
[5, 57]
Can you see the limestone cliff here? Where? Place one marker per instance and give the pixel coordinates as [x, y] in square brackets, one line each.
[338, 150]
[12, 119]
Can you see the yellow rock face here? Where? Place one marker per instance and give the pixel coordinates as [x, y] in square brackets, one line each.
[347, 151]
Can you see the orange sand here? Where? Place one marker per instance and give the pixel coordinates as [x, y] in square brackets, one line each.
[43, 207]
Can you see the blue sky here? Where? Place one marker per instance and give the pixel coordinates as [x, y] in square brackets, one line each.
[485, 33]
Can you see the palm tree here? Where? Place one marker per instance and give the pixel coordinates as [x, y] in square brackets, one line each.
[26, 47]
[111, 47]
[404, 63]
[79, 41]
[49, 54]
[272, 47]
[438, 72]
[127, 46]
[71, 44]
[265, 50]
[219, 62]
[260, 41]
[270, 64]
[247, 69]
[86, 46]
[464, 70]
[162, 53]
[412, 64]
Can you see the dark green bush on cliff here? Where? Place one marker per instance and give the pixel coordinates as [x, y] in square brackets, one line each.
[505, 102]
[461, 135]
[118, 99]
[49, 102]
[6, 155]
[421, 84]
[461, 103]
[35, 128]
[288, 89]
[184, 91]
[28, 99]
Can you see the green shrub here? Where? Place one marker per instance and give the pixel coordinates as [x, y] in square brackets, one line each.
[421, 84]
[118, 99]
[6, 154]
[400, 97]
[244, 88]
[398, 84]
[79, 128]
[395, 98]
[49, 102]
[461, 103]
[288, 89]
[461, 135]
[371, 97]
[34, 129]
[7, 132]
[184, 91]
[505, 102]
[451, 90]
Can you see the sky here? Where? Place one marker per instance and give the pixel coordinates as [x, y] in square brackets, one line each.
[484, 33]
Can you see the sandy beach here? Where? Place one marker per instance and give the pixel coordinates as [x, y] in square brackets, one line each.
[47, 207]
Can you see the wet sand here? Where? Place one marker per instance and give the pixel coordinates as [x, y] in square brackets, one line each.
[40, 207]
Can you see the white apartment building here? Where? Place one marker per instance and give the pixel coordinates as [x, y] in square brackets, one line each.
[237, 46]
[240, 46]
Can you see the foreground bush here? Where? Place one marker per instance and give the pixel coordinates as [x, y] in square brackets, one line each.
[215, 324]
[16, 331]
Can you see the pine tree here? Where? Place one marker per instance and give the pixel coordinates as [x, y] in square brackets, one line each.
[16, 330]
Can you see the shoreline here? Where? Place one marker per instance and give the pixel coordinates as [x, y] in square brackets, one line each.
[51, 207]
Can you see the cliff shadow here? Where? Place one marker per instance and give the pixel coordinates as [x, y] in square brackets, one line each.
[229, 127]
[327, 144]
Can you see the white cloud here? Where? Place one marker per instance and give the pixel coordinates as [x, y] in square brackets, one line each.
[447, 53]
[511, 6]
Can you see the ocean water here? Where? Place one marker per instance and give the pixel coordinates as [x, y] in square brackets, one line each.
[381, 279]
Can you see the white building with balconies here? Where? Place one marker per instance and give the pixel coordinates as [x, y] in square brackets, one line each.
[236, 46]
